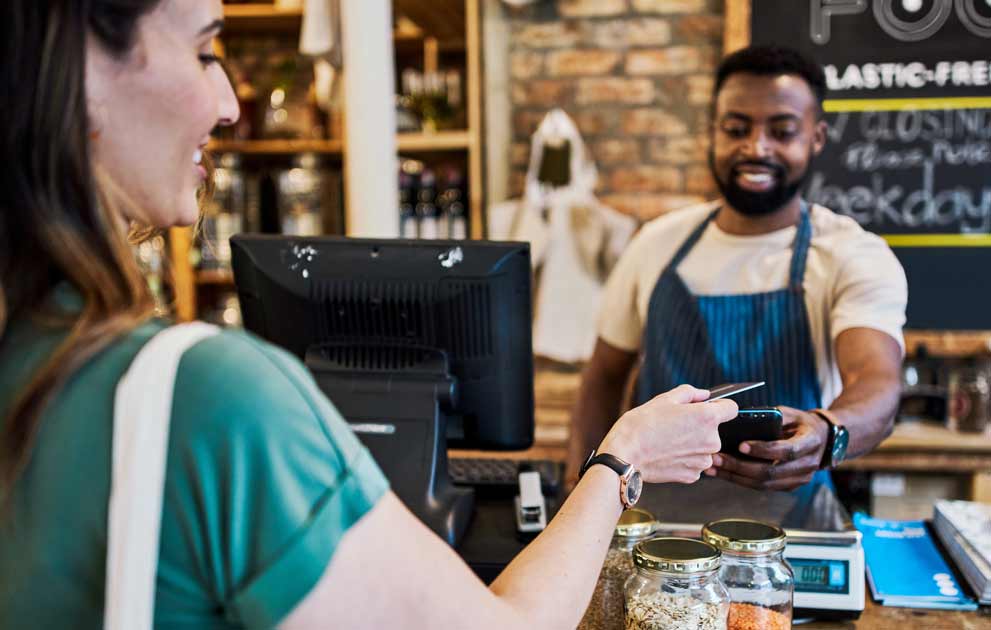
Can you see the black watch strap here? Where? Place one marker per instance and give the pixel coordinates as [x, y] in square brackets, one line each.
[827, 454]
[611, 461]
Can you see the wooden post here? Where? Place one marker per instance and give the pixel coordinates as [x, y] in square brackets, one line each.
[370, 160]
[980, 487]
[183, 278]
[431, 55]
[476, 182]
[497, 127]
[737, 32]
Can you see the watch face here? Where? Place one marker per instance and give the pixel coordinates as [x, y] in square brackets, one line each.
[633, 488]
[840, 443]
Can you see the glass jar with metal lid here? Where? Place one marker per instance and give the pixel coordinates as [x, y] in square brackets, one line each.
[225, 213]
[605, 612]
[676, 587]
[760, 581]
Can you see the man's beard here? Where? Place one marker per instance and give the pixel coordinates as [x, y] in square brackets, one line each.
[755, 204]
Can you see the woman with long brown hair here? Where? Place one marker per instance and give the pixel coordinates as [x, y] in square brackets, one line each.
[272, 513]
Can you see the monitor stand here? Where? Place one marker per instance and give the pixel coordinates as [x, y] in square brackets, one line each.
[397, 399]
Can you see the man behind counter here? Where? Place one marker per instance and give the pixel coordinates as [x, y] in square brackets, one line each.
[758, 286]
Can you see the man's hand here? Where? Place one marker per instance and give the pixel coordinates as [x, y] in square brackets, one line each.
[670, 438]
[787, 463]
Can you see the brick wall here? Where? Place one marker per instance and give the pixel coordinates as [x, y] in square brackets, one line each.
[636, 75]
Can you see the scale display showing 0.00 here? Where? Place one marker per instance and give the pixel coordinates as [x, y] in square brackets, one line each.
[821, 576]
[812, 574]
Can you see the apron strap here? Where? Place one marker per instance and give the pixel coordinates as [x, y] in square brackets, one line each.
[800, 250]
[142, 412]
[691, 240]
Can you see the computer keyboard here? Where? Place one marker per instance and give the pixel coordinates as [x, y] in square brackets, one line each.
[500, 476]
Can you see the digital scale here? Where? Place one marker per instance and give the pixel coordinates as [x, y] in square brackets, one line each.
[823, 548]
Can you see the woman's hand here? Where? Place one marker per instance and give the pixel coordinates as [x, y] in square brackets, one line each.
[383, 557]
[671, 437]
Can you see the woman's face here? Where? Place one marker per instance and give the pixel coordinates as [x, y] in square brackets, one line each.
[152, 111]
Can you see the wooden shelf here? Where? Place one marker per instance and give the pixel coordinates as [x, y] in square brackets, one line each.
[413, 44]
[260, 17]
[222, 277]
[258, 10]
[948, 343]
[443, 19]
[930, 449]
[440, 141]
[275, 147]
[920, 437]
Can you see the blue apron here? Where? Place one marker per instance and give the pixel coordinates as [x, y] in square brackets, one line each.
[705, 340]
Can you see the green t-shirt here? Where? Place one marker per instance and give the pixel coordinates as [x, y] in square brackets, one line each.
[263, 479]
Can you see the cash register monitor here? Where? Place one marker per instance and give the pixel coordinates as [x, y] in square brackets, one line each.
[419, 344]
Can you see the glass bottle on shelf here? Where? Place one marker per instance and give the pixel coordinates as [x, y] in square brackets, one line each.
[452, 204]
[287, 113]
[435, 108]
[408, 227]
[406, 119]
[426, 209]
[458, 221]
[151, 261]
[308, 199]
[408, 104]
[319, 126]
[429, 94]
[223, 310]
[455, 101]
[247, 100]
[224, 213]
[969, 399]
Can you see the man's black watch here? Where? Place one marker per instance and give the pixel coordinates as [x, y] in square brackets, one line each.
[836, 442]
[630, 482]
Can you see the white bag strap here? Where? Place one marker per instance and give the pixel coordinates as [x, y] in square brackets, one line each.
[142, 412]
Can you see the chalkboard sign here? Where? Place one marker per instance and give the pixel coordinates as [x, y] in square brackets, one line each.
[909, 151]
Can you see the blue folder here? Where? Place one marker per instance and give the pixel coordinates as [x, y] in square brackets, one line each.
[904, 567]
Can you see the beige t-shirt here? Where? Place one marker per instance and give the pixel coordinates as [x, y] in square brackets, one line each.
[852, 279]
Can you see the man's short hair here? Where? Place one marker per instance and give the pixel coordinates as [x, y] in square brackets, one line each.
[772, 61]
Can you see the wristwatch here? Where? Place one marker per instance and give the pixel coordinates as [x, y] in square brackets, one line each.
[836, 442]
[630, 482]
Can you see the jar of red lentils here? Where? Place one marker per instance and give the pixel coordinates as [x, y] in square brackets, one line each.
[760, 581]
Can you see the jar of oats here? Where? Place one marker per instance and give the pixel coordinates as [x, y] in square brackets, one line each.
[676, 587]
[760, 581]
[605, 612]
